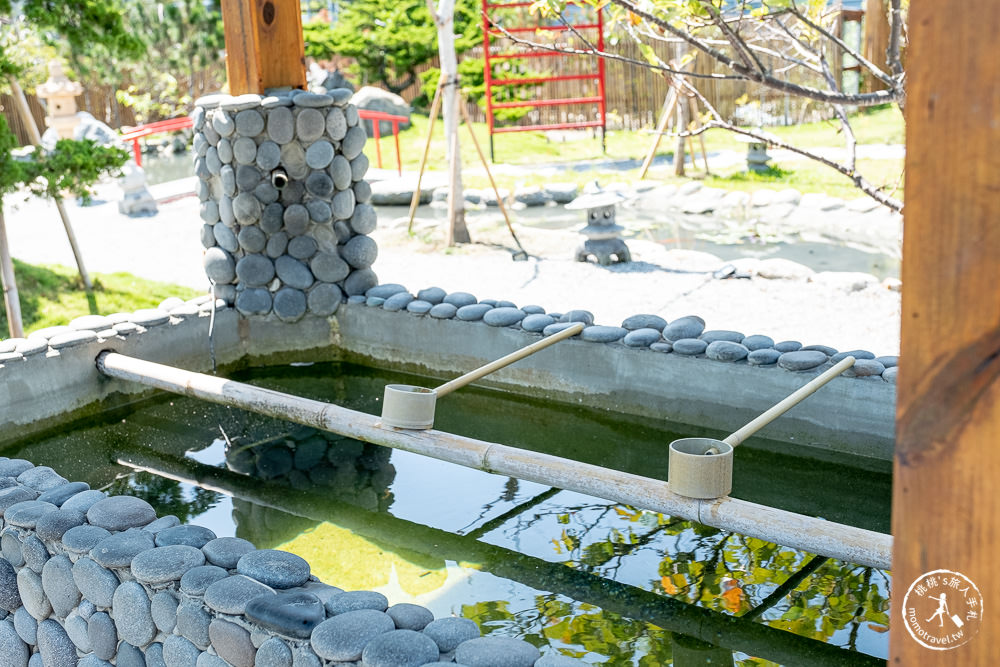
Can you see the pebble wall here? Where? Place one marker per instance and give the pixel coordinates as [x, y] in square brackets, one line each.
[284, 201]
[92, 580]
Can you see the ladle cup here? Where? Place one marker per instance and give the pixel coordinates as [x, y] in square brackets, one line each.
[409, 406]
[703, 467]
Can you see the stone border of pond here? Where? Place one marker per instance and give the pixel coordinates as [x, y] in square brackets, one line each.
[87, 578]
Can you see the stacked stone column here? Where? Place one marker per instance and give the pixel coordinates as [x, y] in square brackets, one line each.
[284, 201]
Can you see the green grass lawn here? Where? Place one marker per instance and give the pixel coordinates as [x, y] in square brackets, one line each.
[52, 295]
[878, 126]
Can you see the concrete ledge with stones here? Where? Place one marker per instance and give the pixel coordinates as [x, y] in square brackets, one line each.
[92, 580]
[294, 249]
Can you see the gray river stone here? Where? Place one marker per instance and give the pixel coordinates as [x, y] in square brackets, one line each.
[103, 635]
[336, 124]
[272, 217]
[213, 161]
[14, 467]
[277, 569]
[273, 653]
[166, 563]
[25, 625]
[397, 302]
[95, 582]
[857, 354]
[359, 167]
[163, 608]
[60, 494]
[496, 652]
[121, 513]
[55, 646]
[12, 553]
[344, 637]
[364, 220]
[329, 267]
[443, 311]
[343, 204]
[10, 598]
[14, 495]
[600, 333]
[281, 125]
[302, 247]
[353, 142]
[32, 346]
[557, 327]
[76, 627]
[408, 616]
[319, 211]
[82, 539]
[400, 648]
[360, 281]
[324, 299]
[643, 337]
[451, 631]
[289, 304]
[584, 316]
[192, 536]
[59, 587]
[536, 322]
[226, 552]
[219, 265]
[825, 349]
[33, 597]
[268, 156]
[319, 185]
[802, 360]
[129, 656]
[310, 125]
[355, 600]
[433, 295]
[225, 238]
[889, 361]
[690, 326]
[71, 339]
[246, 207]
[757, 342]
[197, 580]
[690, 346]
[533, 310]
[35, 553]
[503, 317]
[763, 357]
[266, 193]
[13, 651]
[889, 374]
[419, 307]
[723, 335]
[293, 159]
[292, 613]
[119, 549]
[232, 643]
[340, 171]
[131, 611]
[231, 595]
[473, 312]
[636, 322]
[293, 272]
[43, 478]
[249, 123]
[254, 301]
[245, 150]
[865, 368]
[252, 239]
[179, 652]
[360, 252]
[25, 514]
[788, 346]
[459, 299]
[193, 621]
[341, 96]
[223, 123]
[276, 245]
[296, 219]
[724, 350]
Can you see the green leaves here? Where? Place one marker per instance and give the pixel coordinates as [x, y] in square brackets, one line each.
[72, 168]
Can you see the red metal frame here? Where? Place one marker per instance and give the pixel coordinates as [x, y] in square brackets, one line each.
[158, 127]
[375, 117]
[489, 57]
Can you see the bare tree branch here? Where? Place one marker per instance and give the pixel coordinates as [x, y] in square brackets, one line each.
[737, 42]
[895, 40]
[845, 124]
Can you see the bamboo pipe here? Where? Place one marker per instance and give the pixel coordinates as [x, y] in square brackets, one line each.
[818, 536]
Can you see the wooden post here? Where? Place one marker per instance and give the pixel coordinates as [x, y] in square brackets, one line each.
[946, 509]
[876, 40]
[11, 301]
[264, 47]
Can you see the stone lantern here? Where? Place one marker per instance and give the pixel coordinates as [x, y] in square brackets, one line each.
[602, 232]
[60, 94]
[757, 157]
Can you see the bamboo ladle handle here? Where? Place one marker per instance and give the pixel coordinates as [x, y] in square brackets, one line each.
[482, 371]
[788, 403]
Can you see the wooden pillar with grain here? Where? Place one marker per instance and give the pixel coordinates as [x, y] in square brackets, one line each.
[264, 47]
[946, 509]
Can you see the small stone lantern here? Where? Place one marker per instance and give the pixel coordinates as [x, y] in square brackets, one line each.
[757, 157]
[603, 233]
[60, 94]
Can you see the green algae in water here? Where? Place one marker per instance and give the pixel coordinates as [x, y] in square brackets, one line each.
[568, 572]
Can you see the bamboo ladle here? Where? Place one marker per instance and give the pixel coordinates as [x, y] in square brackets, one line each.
[703, 467]
[409, 406]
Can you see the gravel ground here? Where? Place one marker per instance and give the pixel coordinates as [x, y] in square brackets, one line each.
[845, 311]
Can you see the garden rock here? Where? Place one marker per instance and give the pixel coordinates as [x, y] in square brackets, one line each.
[802, 360]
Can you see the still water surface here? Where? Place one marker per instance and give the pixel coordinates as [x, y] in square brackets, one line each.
[572, 574]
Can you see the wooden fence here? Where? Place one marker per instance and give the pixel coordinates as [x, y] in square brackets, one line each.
[98, 100]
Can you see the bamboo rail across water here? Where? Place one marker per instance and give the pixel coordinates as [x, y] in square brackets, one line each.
[818, 536]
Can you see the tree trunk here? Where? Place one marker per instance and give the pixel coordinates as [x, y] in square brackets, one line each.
[11, 302]
[681, 128]
[457, 231]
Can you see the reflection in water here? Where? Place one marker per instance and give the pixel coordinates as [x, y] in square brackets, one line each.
[570, 573]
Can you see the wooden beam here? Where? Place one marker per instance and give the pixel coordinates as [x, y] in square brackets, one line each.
[876, 39]
[946, 508]
[264, 47]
